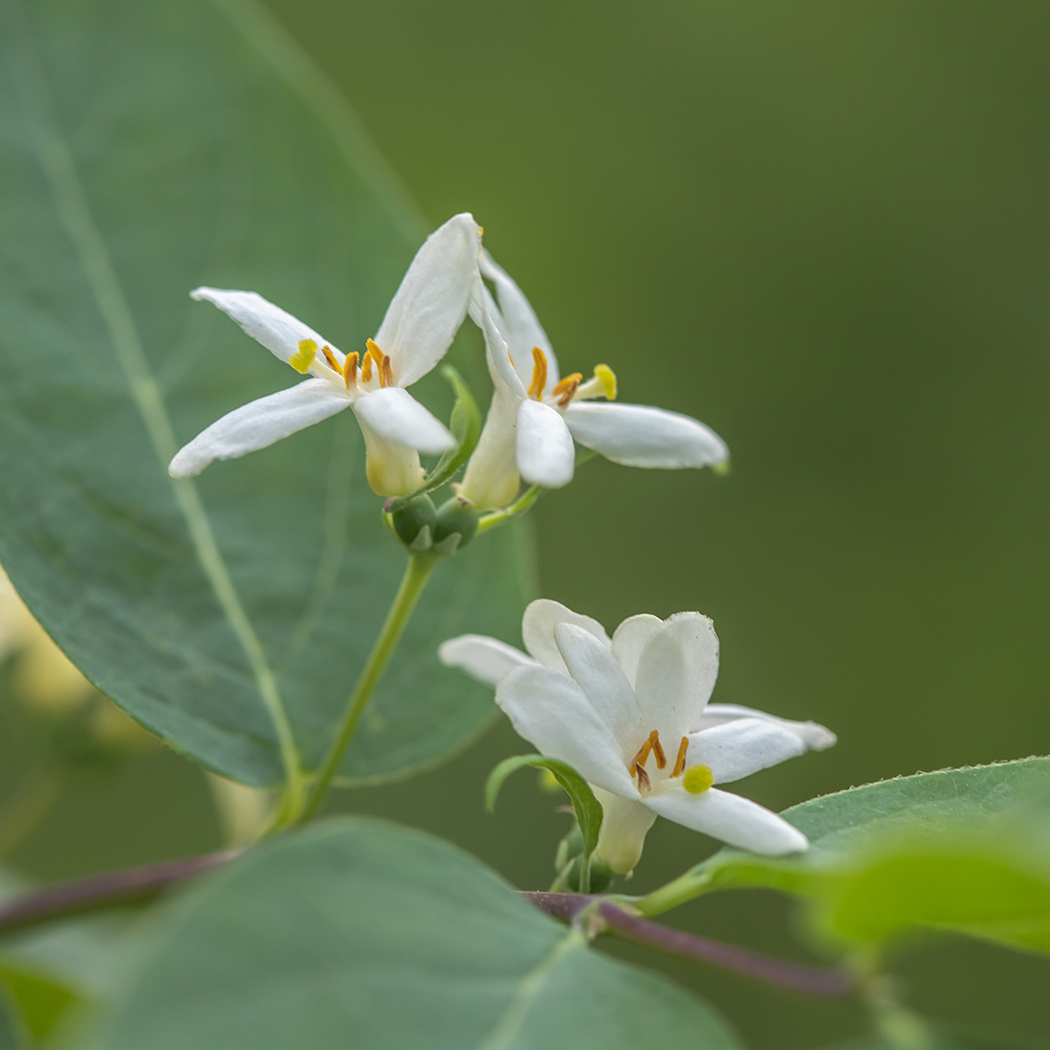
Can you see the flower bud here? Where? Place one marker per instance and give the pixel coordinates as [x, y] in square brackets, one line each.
[410, 521]
[456, 515]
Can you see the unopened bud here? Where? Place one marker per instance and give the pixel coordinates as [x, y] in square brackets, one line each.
[413, 518]
[456, 515]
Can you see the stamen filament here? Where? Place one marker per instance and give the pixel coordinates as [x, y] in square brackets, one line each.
[679, 762]
[539, 374]
[661, 758]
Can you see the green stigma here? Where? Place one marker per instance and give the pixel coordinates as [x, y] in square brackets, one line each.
[304, 356]
[698, 779]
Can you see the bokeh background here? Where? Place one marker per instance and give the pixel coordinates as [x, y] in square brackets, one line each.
[824, 229]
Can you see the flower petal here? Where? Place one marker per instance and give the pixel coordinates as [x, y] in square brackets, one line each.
[520, 326]
[275, 328]
[629, 639]
[486, 316]
[537, 630]
[545, 452]
[640, 436]
[395, 415]
[676, 673]
[625, 823]
[732, 819]
[549, 710]
[258, 424]
[744, 746]
[815, 736]
[431, 302]
[392, 469]
[486, 659]
[491, 479]
[597, 673]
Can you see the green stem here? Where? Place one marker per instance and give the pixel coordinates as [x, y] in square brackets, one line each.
[420, 566]
[504, 514]
[675, 893]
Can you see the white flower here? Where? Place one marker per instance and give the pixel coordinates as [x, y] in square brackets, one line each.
[535, 415]
[630, 714]
[418, 329]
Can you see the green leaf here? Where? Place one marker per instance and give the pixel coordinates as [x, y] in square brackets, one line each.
[41, 1000]
[965, 850]
[939, 1041]
[360, 933]
[11, 1032]
[588, 808]
[146, 149]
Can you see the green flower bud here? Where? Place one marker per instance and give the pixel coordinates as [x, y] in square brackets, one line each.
[410, 521]
[456, 515]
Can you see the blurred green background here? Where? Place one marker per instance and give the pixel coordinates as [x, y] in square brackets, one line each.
[823, 229]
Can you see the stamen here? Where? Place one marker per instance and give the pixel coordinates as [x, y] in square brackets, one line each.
[539, 374]
[350, 369]
[565, 390]
[366, 368]
[333, 364]
[374, 351]
[698, 779]
[608, 380]
[661, 758]
[304, 356]
[386, 374]
[639, 760]
[679, 762]
[644, 783]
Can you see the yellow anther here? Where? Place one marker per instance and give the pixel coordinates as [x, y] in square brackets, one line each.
[644, 783]
[374, 351]
[366, 368]
[539, 374]
[350, 369]
[386, 374]
[608, 380]
[333, 364]
[565, 389]
[304, 356]
[639, 760]
[679, 762]
[658, 751]
[698, 779]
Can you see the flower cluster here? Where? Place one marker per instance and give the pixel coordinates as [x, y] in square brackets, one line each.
[630, 714]
[534, 416]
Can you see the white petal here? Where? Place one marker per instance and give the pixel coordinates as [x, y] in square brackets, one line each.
[429, 306]
[395, 415]
[491, 479]
[392, 469]
[546, 455]
[258, 424]
[625, 823]
[640, 436]
[676, 673]
[629, 639]
[598, 674]
[742, 747]
[520, 325]
[732, 819]
[815, 736]
[537, 630]
[497, 352]
[275, 328]
[550, 710]
[486, 659]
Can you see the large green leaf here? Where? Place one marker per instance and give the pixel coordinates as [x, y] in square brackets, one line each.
[11, 1036]
[965, 850]
[361, 933]
[146, 149]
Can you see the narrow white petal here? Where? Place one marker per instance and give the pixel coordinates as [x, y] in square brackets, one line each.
[497, 352]
[742, 747]
[392, 469]
[491, 479]
[550, 710]
[625, 823]
[537, 630]
[629, 639]
[676, 673]
[395, 415]
[732, 819]
[275, 328]
[640, 436]
[258, 424]
[429, 306]
[486, 659]
[520, 325]
[598, 674]
[545, 452]
[815, 736]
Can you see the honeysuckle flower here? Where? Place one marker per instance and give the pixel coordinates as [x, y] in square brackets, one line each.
[630, 714]
[420, 323]
[535, 414]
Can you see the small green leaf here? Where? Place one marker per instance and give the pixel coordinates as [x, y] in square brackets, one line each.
[588, 808]
[359, 933]
[40, 998]
[12, 1035]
